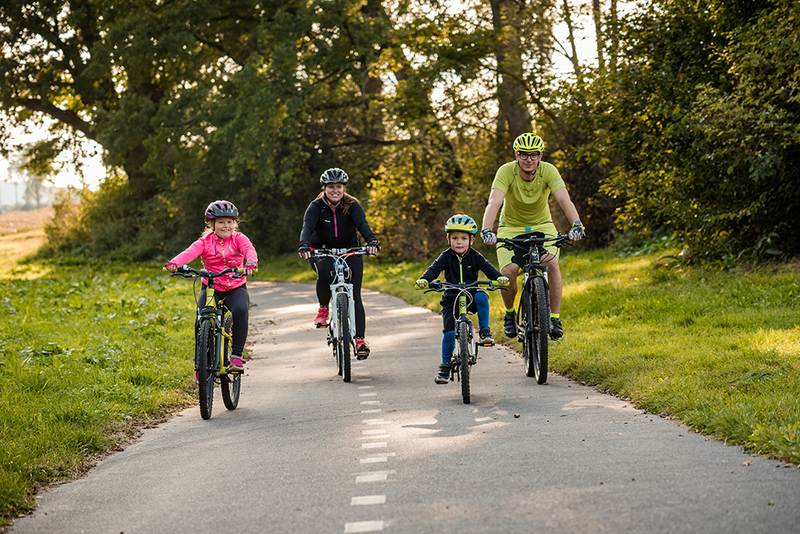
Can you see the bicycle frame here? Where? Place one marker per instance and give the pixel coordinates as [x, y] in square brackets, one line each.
[461, 315]
[534, 266]
[216, 315]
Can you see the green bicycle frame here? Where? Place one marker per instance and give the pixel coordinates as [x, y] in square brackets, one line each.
[218, 316]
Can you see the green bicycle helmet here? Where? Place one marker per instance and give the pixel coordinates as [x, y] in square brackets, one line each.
[461, 223]
[528, 142]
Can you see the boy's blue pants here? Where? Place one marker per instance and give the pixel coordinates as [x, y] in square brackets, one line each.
[449, 336]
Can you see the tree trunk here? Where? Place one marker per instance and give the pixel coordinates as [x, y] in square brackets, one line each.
[576, 66]
[511, 93]
[613, 35]
[598, 30]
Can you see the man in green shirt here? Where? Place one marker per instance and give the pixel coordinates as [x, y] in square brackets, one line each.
[523, 188]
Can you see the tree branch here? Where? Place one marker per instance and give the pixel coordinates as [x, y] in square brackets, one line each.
[67, 116]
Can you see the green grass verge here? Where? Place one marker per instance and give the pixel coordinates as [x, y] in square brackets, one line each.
[717, 350]
[88, 353]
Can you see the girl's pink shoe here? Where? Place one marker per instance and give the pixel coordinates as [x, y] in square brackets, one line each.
[236, 365]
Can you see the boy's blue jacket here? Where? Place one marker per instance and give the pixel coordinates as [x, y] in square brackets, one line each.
[462, 269]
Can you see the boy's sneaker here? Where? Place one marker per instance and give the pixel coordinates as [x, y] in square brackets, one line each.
[443, 376]
[236, 365]
[556, 328]
[510, 325]
[362, 349]
[485, 338]
[321, 320]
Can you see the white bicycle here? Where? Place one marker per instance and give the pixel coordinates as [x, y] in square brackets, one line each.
[342, 322]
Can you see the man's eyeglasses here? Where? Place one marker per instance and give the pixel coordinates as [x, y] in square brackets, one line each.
[529, 155]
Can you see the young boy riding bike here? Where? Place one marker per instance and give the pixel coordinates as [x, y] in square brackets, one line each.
[461, 264]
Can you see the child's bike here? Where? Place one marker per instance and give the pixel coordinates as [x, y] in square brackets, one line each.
[465, 353]
[533, 308]
[342, 325]
[213, 341]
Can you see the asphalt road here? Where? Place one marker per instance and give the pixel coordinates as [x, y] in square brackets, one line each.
[393, 451]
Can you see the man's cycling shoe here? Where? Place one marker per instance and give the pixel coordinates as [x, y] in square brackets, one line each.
[510, 325]
[556, 328]
[236, 365]
[362, 349]
[485, 338]
[321, 320]
[443, 376]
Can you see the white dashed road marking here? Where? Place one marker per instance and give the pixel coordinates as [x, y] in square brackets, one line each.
[366, 500]
[371, 476]
[363, 526]
[375, 422]
[373, 460]
[377, 476]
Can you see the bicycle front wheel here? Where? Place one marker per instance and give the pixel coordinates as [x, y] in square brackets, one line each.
[230, 383]
[541, 329]
[526, 331]
[344, 341]
[463, 349]
[204, 360]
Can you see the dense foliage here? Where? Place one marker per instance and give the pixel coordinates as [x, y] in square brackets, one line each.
[688, 126]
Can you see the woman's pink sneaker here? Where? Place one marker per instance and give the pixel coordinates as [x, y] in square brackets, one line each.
[362, 349]
[321, 320]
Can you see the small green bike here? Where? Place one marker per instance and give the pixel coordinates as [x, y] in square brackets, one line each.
[465, 354]
[213, 342]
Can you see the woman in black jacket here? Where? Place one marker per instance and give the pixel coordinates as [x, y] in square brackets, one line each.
[331, 221]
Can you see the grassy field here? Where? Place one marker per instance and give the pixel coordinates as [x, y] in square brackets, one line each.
[717, 350]
[89, 353]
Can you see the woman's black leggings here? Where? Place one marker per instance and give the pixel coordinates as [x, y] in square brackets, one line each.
[238, 302]
[325, 274]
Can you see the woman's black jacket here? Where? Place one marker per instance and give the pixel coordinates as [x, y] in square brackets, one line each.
[328, 226]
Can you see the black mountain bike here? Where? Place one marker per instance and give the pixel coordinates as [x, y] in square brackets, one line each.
[465, 353]
[533, 310]
[213, 341]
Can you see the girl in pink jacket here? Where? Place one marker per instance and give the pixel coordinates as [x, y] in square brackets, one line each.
[222, 246]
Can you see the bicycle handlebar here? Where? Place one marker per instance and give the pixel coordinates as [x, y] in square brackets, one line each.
[524, 242]
[188, 272]
[338, 252]
[440, 286]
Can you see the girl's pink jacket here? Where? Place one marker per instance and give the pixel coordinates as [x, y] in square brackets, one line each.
[218, 254]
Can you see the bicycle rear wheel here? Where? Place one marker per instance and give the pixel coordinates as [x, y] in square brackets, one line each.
[344, 341]
[463, 349]
[541, 329]
[204, 361]
[230, 383]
